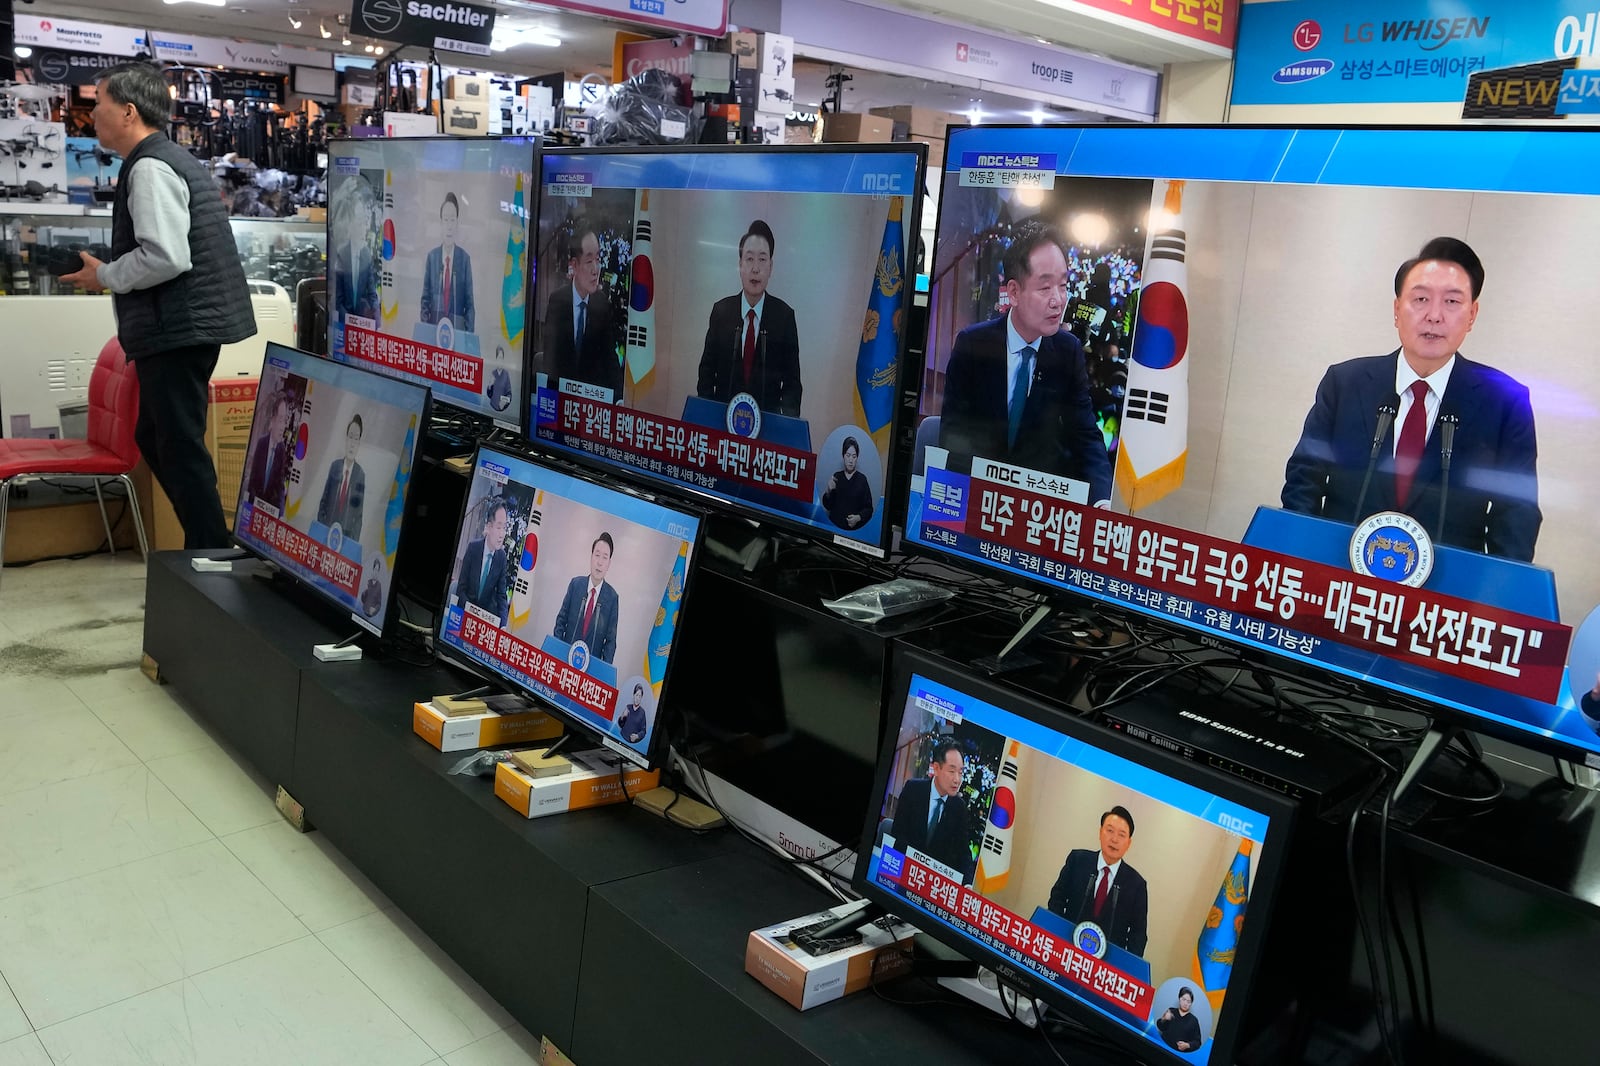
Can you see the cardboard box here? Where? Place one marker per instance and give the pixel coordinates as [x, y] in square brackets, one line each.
[593, 782]
[922, 122]
[360, 95]
[466, 732]
[472, 88]
[776, 54]
[466, 119]
[854, 126]
[805, 980]
[229, 410]
[771, 126]
[775, 93]
[746, 48]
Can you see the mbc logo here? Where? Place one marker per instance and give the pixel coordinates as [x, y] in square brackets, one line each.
[1235, 825]
[882, 183]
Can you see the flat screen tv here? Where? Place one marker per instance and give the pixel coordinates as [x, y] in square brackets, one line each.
[1125, 886]
[570, 590]
[428, 268]
[731, 321]
[1172, 368]
[326, 476]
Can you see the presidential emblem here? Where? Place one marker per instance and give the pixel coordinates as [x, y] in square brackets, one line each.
[1394, 547]
[1089, 939]
[446, 337]
[336, 536]
[744, 415]
[578, 655]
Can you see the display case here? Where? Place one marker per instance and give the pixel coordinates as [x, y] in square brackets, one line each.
[36, 237]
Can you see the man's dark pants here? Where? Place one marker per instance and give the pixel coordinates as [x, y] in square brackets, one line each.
[171, 434]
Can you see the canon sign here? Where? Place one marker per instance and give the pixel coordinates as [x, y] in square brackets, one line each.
[456, 26]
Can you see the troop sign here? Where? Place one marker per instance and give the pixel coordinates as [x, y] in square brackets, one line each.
[451, 25]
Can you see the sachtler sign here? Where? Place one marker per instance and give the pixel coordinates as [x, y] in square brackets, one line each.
[447, 24]
[53, 66]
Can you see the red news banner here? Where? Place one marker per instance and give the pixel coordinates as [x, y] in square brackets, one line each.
[293, 544]
[1007, 930]
[1473, 641]
[710, 453]
[593, 694]
[415, 357]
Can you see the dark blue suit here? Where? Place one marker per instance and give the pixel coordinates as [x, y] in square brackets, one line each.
[602, 634]
[1493, 504]
[1127, 910]
[462, 312]
[1059, 433]
[473, 586]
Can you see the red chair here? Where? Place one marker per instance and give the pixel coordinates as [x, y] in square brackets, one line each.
[108, 453]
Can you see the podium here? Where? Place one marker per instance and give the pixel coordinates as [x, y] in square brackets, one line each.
[1126, 961]
[1505, 583]
[594, 666]
[784, 430]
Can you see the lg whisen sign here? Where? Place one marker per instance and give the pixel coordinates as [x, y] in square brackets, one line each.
[447, 24]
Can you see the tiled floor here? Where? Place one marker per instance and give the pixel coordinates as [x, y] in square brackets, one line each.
[154, 908]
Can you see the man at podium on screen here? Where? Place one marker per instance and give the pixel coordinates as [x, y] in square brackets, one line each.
[931, 816]
[344, 490]
[752, 344]
[1407, 404]
[589, 609]
[1099, 887]
[1016, 389]
[579, 335]
[447, 276]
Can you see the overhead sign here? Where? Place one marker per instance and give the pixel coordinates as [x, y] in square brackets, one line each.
[1000, 63]
[446, 24]
[236, 55]
[708, 17]
[1212, 21]
[78, 36]
[1381, 51]
[53, 66]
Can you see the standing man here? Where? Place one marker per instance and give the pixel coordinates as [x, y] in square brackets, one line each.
[932, 816]
[344, 490]
[752, 344]
[1016, 390]
[177, 287]
[589, 610]
[1098, 887]
[482, 580]
[447, 276]
[1493, 501]
[580, 337]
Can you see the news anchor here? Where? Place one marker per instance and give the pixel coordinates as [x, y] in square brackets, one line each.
[752, 344]
[1099, 887]
[932, 816]
[269, 466]
[1404, 405]
[344, 490]
[589, 610]
[1016, 388]
[580, 334]
[482, 580]
[447, 275]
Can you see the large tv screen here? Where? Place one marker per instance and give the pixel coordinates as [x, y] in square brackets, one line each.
[326, 476]
[570, 590]
[1120, 883]
[731, 321]
[428, 265]
[1223, 330]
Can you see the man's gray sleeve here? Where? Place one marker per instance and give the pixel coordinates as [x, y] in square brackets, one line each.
[158, 202]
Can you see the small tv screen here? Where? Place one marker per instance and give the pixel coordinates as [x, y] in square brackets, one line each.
[1121, 884]
[731, 321]
[1177, 369]
[428, 268]
[326, 475]
[570, 590]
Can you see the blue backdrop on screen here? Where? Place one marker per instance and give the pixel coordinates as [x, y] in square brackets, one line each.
[1374, 51]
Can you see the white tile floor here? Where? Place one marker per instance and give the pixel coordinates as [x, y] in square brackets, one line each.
[154, 908]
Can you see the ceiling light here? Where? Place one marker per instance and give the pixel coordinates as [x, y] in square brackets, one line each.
[23, 51]
[1038, 116]
[296, 23]
[207, 3]
[322, 28]
[344, 40]
[377, 50]
[367, 48]
[505, 39]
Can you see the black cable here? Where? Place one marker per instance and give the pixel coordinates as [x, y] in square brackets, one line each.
[1432, 1025]
[1392, 1003]
[1380, 1013]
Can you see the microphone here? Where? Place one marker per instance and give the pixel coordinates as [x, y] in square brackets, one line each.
[1088, 896]
[1448, 424]
[1386, 412]
[1111, 913]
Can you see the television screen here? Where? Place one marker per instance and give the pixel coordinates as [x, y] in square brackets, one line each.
[325, 442]
[1225, 332]
[1123, 884]
[731, 321]
[569, 590]
[428, 265]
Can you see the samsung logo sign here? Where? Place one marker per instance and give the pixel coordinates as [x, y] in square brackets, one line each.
[1305, 70]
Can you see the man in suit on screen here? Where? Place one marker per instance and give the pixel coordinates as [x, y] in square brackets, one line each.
[447, 275]
[1493, 500]
[344, 490]
[580, 335]
[482, 580]
[1016, 389]
[589, 609]
[1099, 887]
[752, 343]
[267, 481]
[932, 816]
